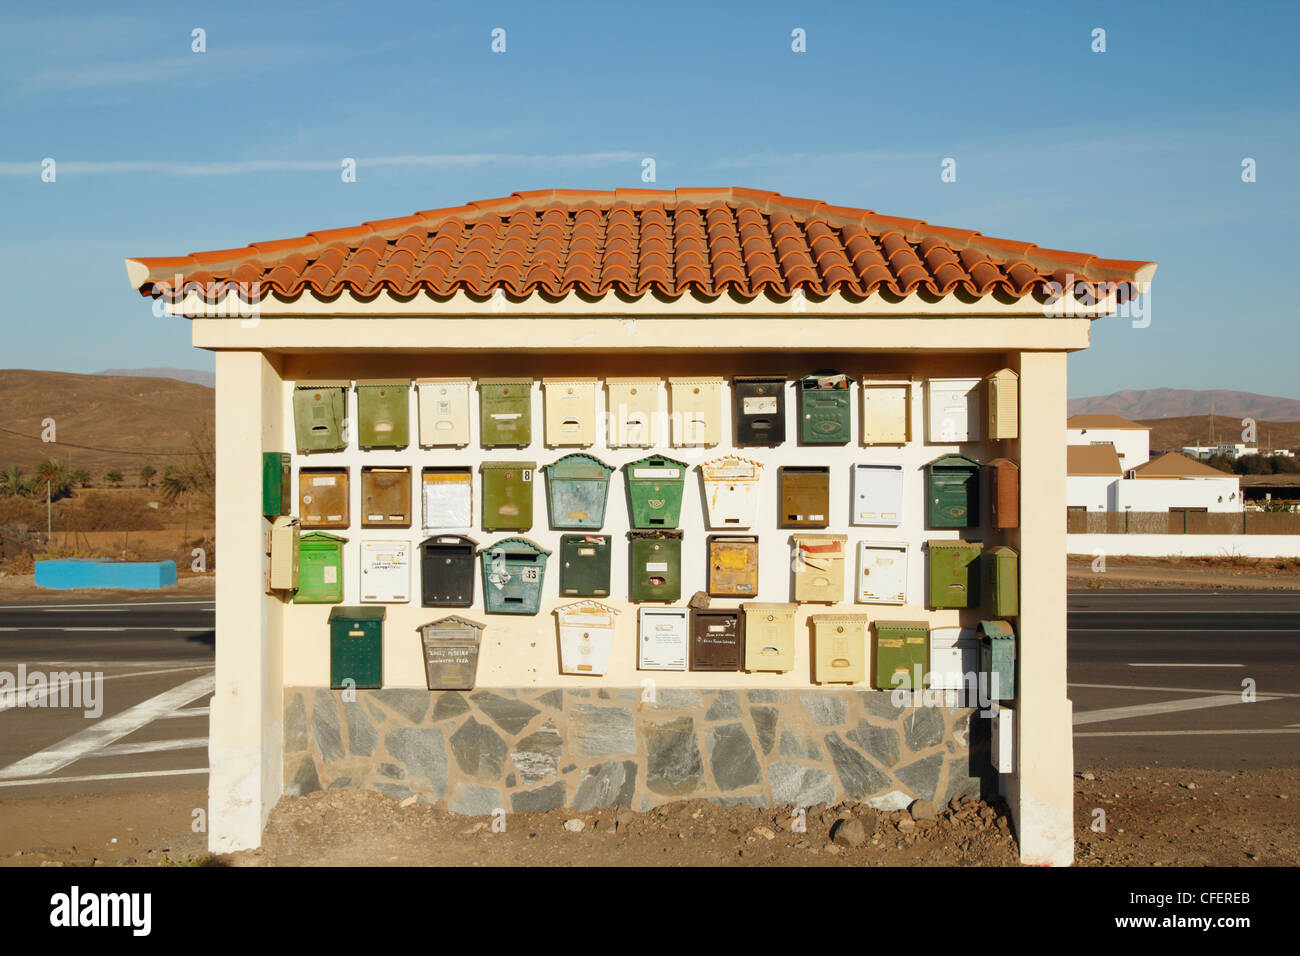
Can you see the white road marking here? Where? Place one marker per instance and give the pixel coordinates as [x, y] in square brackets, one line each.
[1172, 690]
[1175, 733]
[101, 776]
[1162, 707]
[1187, 665]
[150, 746]
[189, 712]
[104, 732]
[123, 604]
[151, 627]
[46, 691]
[175, 661]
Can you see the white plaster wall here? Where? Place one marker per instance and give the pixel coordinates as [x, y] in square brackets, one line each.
[1088, 491]
[1188, 545]
[1161, 494]
[1133, 445]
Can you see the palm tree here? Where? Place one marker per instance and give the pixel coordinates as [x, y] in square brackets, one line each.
[51, 472]
[81, 477]
[113, 477]
[12, 482]
[179, 484]
[147, 474]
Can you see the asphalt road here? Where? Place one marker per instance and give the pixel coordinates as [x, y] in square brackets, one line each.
[1156, 677]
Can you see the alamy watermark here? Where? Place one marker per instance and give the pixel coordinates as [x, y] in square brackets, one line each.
[65, 689]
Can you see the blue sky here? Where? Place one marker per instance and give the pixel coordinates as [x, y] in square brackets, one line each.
[1134, 153]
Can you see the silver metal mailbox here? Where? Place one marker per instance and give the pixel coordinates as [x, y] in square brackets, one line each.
[451, 648]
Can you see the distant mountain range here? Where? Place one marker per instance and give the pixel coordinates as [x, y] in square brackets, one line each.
[180, 374]
[1145, 404]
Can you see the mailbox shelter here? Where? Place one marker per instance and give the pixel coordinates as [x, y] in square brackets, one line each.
[645, 291]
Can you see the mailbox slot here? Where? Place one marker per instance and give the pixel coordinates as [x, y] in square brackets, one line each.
[319, 410]
[1004, 404]
[717, 640]
[505, 412]
[901, 651]
[451, 649]
[448, 495]
[584, 565]
[1004, 493]
[663, 638]
[447, 571]
[825, 407]
[882, 572]
[1003, 571]
[320, 569]
[577, 488]
[655, 565]
[282, 546]
[839, 648]
[954, 574]
[731, 491]
[586, 637]
[508, 495]
[383, 413]
[385, 497]
[654, 490]
[954, 410]
[819, 568]
[954, 654]
[998, 658]
[513, 572]
[805, 495]
[953, 492]
[696, 410]
[570, 411]
[323, 497]
[759, 410]
[277, 499]
[633, 412]
[878, 495]
[357, 647]
[886, 411]
[385, 572]
[769, 637]
[444, 412]
[733, 565]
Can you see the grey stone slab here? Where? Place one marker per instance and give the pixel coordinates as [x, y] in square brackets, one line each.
[538, 801]
[303, 777]
[765, 726]
[673, 763]
[762, 696]
[448, 704]
[799, 745]
[607, 784]
[295, 725]
[392, 771]
[826, 710]
[537, 756]
[602, 731]
[423, 752]
[923, 728]
[603, 694]
[879, 703]
[325, 725]
[394, 790]
[793, 783]
[960, 785]
[678, 698]
[922, 776]
[553, 699]
[479, 750]
[881, 744]
[724, 707]
[477, 801]
[340, 783]
[630, 694]
[961, 729]
[578, 691]
[509, 713]
[362, 735]
[510, 780]
[858, 776]
[410, 704]
[732, 758]
[760, 800]
[375, 711]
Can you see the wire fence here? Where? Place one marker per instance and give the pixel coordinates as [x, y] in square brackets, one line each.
[1182, 522]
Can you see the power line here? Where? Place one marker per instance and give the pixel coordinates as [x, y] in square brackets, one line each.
[111, 451]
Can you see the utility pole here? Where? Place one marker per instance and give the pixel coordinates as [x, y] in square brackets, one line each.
[48, 523]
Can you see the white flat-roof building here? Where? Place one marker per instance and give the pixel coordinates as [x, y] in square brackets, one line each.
[1131, 441]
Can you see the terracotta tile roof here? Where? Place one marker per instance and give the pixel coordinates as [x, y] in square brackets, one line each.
[1092, 461]
[1174, 465]
[743, 242]
[1103, 421]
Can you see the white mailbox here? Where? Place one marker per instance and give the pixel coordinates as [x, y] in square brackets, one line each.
[1003, 750]
[882, 572]
[886, 410]
[448, 495]
[878, 495]
[570, 411]
[954, 654]
[444, 411]
[586, 637]
[663, 641]
[385, 572]
[953, 410]
[633, 412]
[731, 490]
[696, 410]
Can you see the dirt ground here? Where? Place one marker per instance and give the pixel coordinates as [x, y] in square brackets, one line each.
[1153, 817]
[1123, 572]
[22, 587]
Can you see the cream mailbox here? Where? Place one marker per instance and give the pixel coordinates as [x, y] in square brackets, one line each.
[570, 411]
[882, 572]
[877, 495]
[444, 412]
[1002, 750]
[769, 637]
[953, 412]
[1004, 404]
[282, 546]
[731, 490]
[819, 568]
[696, 410]
[448, 495]
[839, 648]
[886, 410]
[451, 648]
[633, 412]
[954, 653]
[664, 638]
[385, 572]
[586, 637]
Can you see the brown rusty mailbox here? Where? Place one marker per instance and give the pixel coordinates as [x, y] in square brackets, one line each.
[323, 497]
[385, 497]
[451, 648]
[717, 640]
[805, 495]
[733, 565]
[1004, 492]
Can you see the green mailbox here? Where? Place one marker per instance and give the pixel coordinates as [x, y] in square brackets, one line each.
[577, 487]
[654, 490]
[276, 484]
[824, 408]
[998, 658]
[505, 412]
[383, 413]
[508, 495]
[1003, 566]
[584, 565]
[319, 411]
[952, 485]
[513, 572]
[954, 573]
[357, 647]
[655, 565]
[320, 569]
[902, 654]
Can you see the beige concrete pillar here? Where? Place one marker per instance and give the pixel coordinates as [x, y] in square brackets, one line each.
[245, 746]
[1041, 791]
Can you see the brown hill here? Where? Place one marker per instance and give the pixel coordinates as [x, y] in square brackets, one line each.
[1146, 403]
[1171, 434]
[102, 422]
